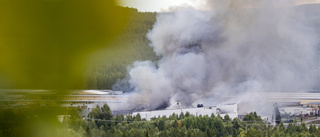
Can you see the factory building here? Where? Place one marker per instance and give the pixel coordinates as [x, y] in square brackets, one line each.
[230, 109]
[297, 110]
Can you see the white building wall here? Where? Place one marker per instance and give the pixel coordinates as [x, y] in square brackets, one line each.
[230, 109]
[166, 113]
[200, 111]
[295, 110]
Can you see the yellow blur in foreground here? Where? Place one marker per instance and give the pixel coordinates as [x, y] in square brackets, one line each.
[43, 44]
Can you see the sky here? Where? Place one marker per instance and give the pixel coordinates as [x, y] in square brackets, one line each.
[164, 5]
[155, 5]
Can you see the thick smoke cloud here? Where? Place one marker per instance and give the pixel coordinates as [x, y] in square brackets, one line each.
[230, 50]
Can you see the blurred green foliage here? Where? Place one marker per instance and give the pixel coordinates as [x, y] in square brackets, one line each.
[57, 44]
[43, 43]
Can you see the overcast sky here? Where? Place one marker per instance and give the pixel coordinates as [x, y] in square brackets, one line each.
[162, 5]
[156, 5]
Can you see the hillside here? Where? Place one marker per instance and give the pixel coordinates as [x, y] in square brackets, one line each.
[108, 65]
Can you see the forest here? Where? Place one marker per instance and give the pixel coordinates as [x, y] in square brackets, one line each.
[101, 123]
[109, 65]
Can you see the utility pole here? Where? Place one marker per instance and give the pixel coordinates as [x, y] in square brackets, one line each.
[301, 117]
[318, 80]
[274, 115]
[180, 106]
[88, 117]
[178, 103]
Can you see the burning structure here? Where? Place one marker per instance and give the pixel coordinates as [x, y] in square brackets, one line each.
[222, 110]
[223, 49]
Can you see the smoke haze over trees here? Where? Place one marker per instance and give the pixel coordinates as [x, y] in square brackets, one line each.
[210, 53]
[232, 48]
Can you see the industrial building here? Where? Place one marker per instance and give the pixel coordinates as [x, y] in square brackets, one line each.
[222, 110]
[296, 110]
[290, 103]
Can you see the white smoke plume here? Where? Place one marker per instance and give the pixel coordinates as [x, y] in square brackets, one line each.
[233, 49]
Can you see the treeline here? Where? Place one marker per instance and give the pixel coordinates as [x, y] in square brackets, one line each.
[103, 124]
[110, 64]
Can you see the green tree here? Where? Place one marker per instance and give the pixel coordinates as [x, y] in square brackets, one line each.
[252, 132]
[227, 117]
[119, 117]
[212, 115]
[281, 127]
[290, 129]
[137, 117]
[136, 132]
[187, 114]
[249, 117]
[106, 112]
[278, 115]
[312, 128]
[219, 127]
[88, 132]
[162, 125]
[210, 132]
[175, 124]
[181, 116]
[101, 113]
[304, 127]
